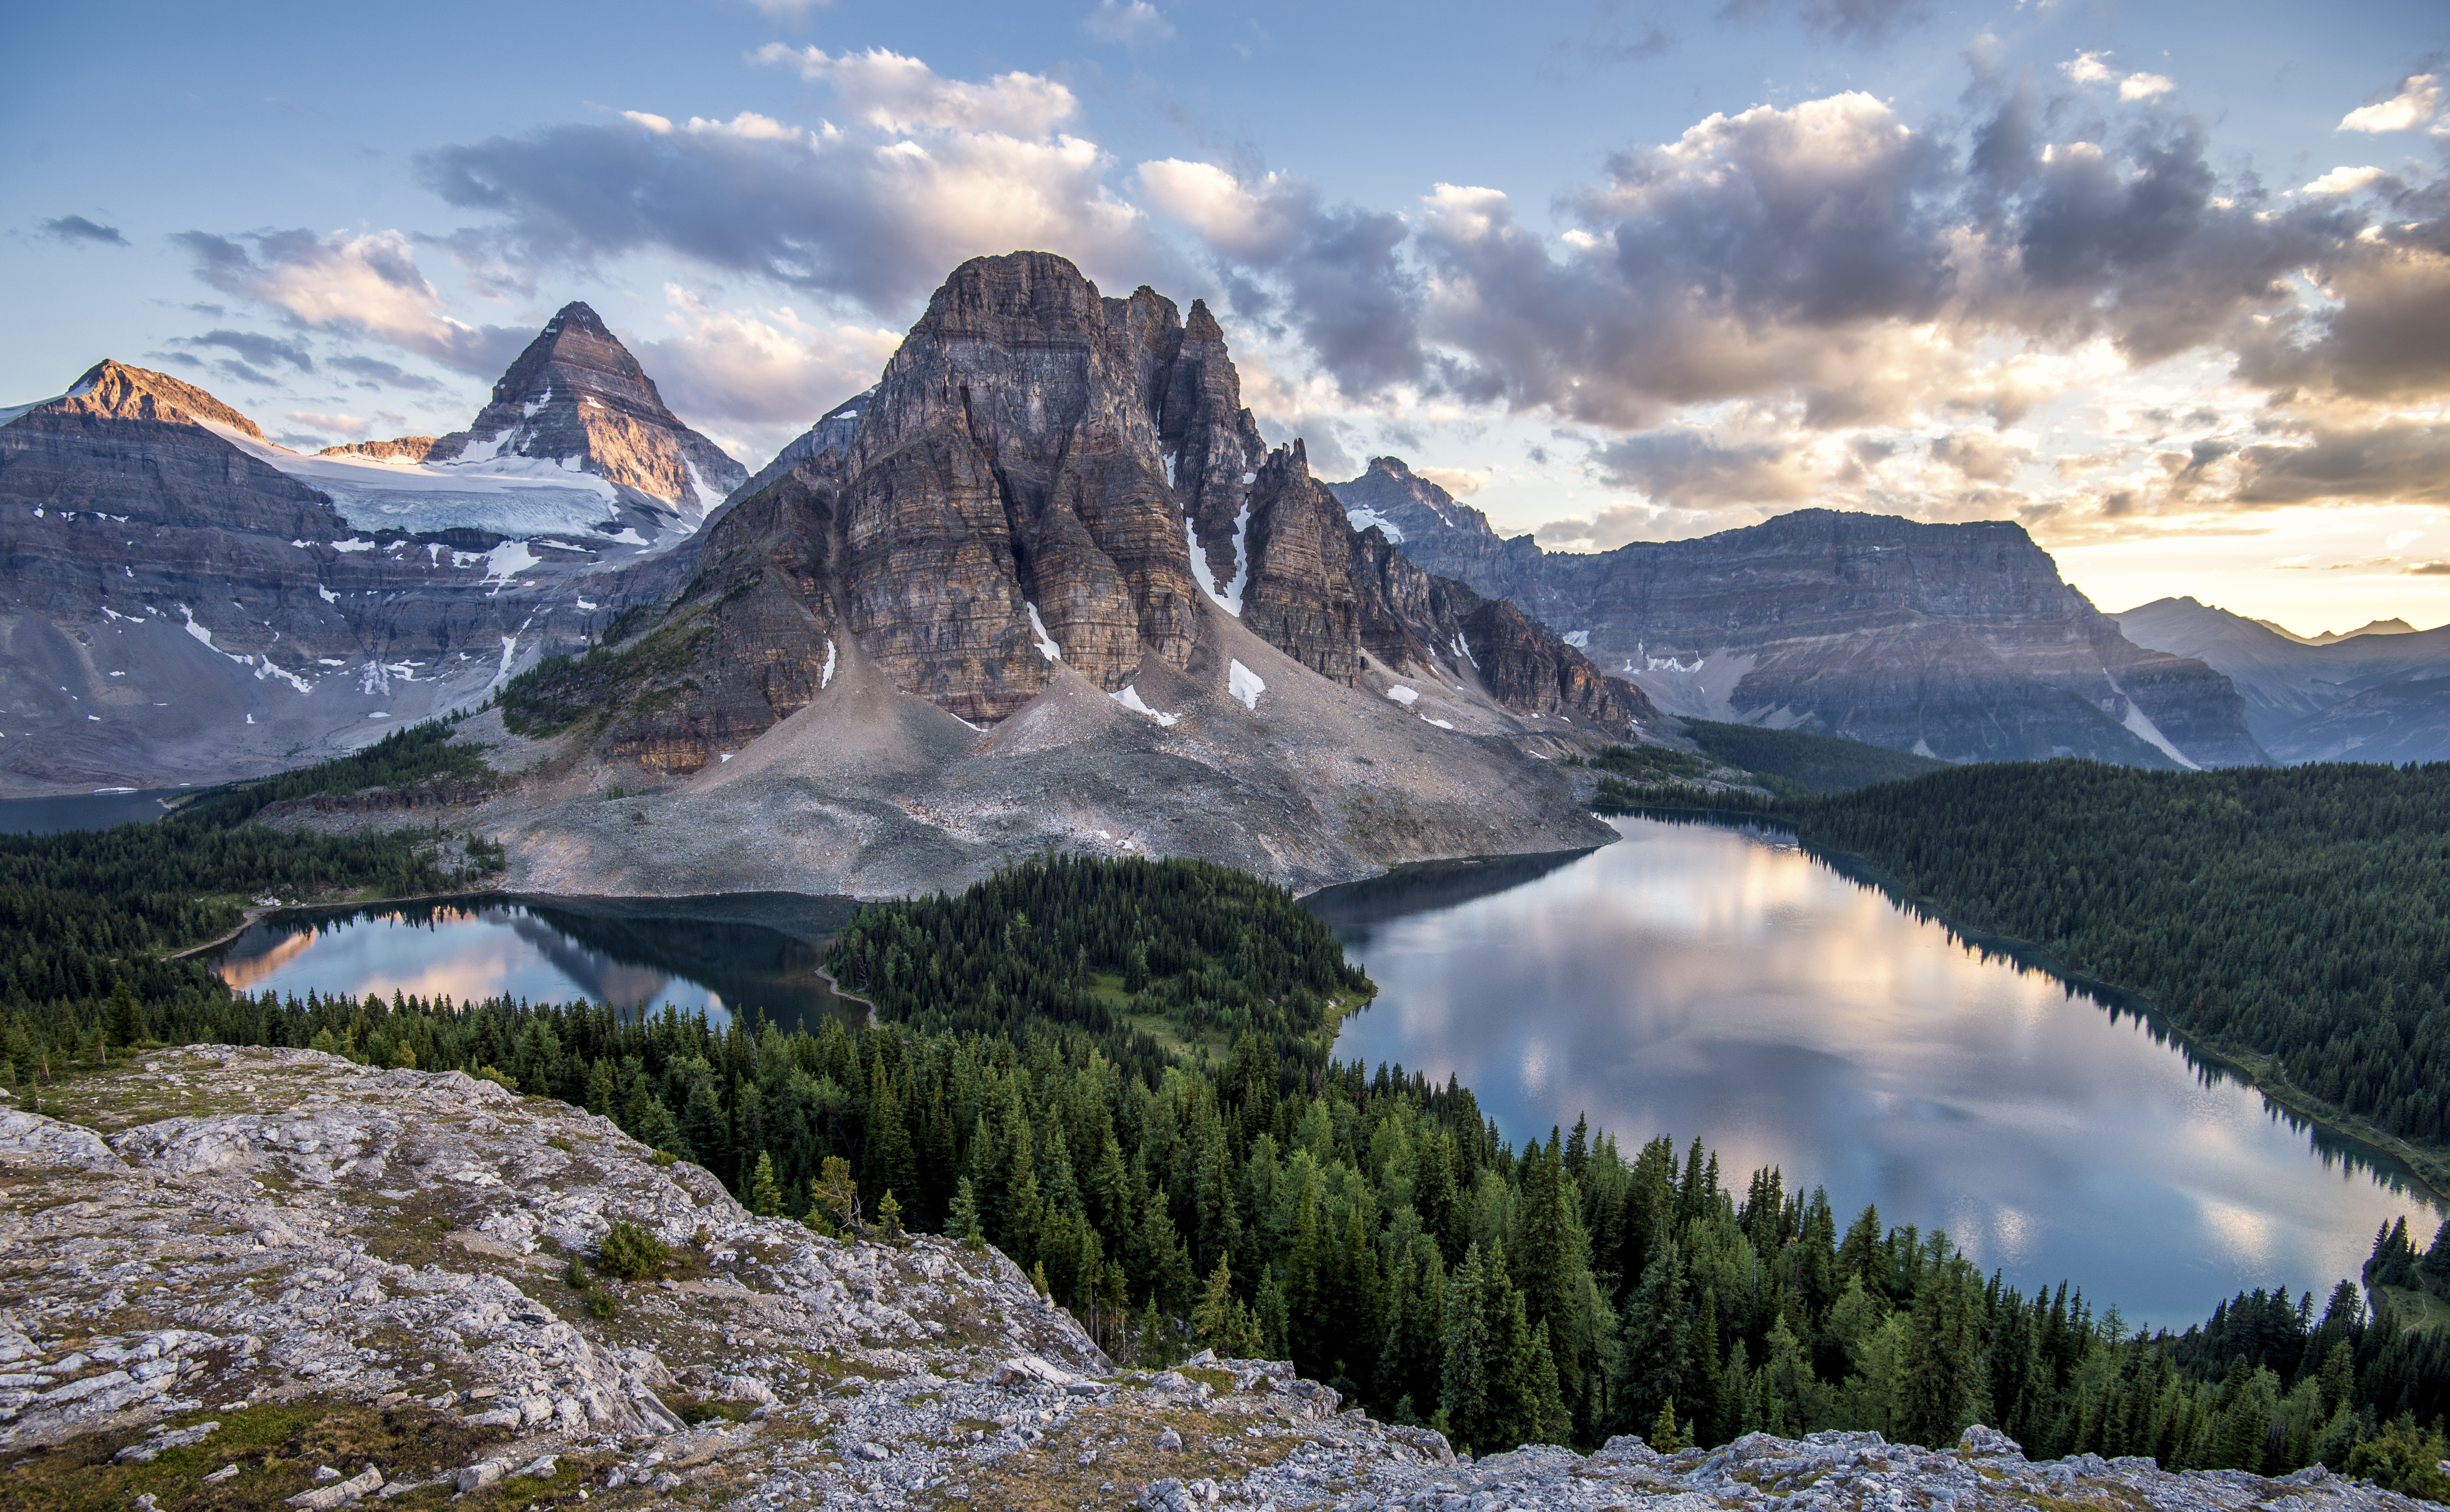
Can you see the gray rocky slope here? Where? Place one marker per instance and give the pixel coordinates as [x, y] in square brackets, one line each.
[1958, 641]
[181, 600]
[214, 1232]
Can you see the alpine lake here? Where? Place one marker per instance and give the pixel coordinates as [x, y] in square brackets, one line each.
[1691, 979]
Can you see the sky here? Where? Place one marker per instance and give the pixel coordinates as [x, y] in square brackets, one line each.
[2166, 284]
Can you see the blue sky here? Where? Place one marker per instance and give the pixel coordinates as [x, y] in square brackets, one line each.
[2169, 283]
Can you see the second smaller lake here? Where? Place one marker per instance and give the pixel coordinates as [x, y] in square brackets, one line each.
[725, 955]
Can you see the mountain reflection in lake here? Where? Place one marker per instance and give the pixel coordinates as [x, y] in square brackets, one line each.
[723, 955]
[1696, 980]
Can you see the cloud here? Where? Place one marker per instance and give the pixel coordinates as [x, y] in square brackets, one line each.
[373, 372]
[77, 228]
[2345, 180]
[1690, 469]
[1329, 273]
[2428, 570]
[2402, 460]
[262, 350]
[366, 284]
[901, 94]
[337, 424]
[1134, 23]
[1455, 480]
[2093, 67]
[788, 11]
[1865, 23]
[755, 378]
[2418, 96]
[1982, 456]
[874, 215]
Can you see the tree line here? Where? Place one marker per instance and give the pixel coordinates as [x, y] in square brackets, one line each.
[2295, 917]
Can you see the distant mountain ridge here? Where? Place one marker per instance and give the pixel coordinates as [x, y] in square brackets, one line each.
[1956, 640]
[2366, 695]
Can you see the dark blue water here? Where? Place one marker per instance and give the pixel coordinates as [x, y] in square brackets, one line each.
[1695, 980]
[48, 816]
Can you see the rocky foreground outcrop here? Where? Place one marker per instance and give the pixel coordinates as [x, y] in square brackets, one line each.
[213, 1240]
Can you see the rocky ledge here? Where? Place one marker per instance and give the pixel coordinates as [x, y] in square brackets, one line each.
[226, 1269]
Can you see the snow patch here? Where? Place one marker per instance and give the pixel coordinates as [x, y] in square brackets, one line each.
[1362, 519]
[584, 607]
[1403, 695]
[502, 673]
[1046, 646]
[1439, 723]
[2140, 724]
[508, 560]
[1130, 698]
[353, 546]
[326, 595]
[1229, 598]
[827, 676]
[1168, 459]
[1579, 640]
[1463, 648]
[1922, 747]
[1245, 685]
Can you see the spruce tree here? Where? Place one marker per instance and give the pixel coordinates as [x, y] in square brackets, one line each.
[1463, 1376]
[1653, 1342]
[961, 1221]
[765, 1193]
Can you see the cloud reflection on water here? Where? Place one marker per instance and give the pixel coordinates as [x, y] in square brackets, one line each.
[1695, 982]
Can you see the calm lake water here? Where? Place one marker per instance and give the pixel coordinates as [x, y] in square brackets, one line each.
[725, 955]
[1697, 980]
[48, 816]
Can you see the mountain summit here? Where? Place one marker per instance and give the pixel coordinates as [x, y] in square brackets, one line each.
[577, 395]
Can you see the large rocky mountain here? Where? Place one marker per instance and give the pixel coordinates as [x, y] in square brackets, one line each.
[1958, 641]
[1047, 585]
[189, 602]
[2375, 694]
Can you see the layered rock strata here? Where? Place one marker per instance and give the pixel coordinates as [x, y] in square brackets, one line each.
[1048, 480]
[1959, 641]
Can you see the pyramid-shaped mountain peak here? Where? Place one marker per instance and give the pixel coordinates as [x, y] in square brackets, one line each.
[576, 395]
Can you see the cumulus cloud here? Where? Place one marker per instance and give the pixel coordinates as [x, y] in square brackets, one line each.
[1455, 480]
[754, 378]
[2418, 96]
[77, 228]
[901, 94]
[1690, 469]
[1981, 456]
[366, 284]
[1134, 23]
[2344, 179]
[2093, 67]
[935, 172]
[1331, 274]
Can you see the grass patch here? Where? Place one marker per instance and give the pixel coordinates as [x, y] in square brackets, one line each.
[276, 1448]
